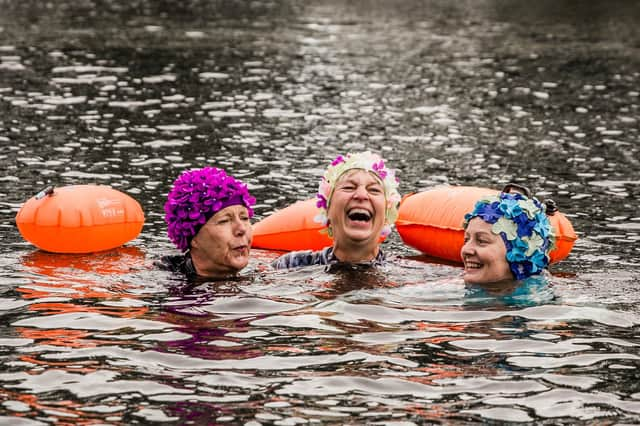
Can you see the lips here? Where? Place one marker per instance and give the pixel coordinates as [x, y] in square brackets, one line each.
[241, 249]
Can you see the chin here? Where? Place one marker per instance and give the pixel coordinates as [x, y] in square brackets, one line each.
[239, 263]
[362, 234]
[359, 235]
[471, 278]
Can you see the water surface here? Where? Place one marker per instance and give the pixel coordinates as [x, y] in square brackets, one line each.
[474, 93]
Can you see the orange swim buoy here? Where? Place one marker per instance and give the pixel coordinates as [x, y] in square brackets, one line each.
[431, 222]
[291, 228]
[80, 219]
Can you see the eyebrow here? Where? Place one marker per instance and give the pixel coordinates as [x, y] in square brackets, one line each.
[355, 182]
[485, 234]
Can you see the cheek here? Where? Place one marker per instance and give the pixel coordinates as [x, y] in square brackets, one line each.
[333, 214]
[219, 237]
[499, 259]
[380, 203]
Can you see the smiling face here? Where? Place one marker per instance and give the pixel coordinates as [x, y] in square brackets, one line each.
[484, 254]
[222, 246]
[357, 209]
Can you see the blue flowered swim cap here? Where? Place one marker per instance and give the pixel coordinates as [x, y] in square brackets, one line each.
[524, 228]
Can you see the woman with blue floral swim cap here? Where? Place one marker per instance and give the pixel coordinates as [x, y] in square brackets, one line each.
[507, 236]
[357, 202]
[208, 216]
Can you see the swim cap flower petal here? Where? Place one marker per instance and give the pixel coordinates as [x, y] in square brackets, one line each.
[524, 228]
[366, 161]
[196, 196]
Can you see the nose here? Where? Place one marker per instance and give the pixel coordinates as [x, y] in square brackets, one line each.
[467, 249]
[360, 192]
[241, 227]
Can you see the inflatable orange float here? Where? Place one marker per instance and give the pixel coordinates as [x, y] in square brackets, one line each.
[80, 219]
[291, 228]
[431, 222]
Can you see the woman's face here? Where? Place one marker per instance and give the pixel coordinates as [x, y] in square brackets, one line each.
[484, 254]
[357, 208]
[225, 241]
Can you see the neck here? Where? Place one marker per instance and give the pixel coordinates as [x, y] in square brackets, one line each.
[206, 268]
[355, 253]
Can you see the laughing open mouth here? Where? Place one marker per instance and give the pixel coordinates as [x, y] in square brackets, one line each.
[360, 215]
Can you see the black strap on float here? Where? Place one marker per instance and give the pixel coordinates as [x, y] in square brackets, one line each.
[47, 191]
[550, 206]
[518, 188]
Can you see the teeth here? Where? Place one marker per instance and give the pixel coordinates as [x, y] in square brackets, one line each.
[365, 211]
[472, 265]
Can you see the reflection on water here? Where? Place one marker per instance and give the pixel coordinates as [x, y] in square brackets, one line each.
[531, 291]
[122, 342]
[471, 92]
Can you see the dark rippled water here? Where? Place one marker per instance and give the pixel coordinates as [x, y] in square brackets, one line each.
[129, 94]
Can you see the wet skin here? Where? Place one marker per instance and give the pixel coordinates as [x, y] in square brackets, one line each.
[484, 255]
[357, 215]
[222, 246]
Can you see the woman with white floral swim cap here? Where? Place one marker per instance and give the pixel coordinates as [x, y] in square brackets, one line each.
[358, 202]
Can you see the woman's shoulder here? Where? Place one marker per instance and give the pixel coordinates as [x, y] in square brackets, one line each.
[180, 263]
[297, 259]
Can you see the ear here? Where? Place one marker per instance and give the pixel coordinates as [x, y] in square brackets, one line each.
[194, 244]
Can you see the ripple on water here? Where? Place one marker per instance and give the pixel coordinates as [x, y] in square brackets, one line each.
[209, 75]
[501, 414]
[166, 362]
[571, 381]
[520, 345]
[161, 143]
[161, 78]
[89, 321]
[336, 385]
[569, 403]
[90, 176]
[176, 127]
[20, 421]
[575, 360]
[352, 313]
[87, 385]
[414, 345]
[154, 415]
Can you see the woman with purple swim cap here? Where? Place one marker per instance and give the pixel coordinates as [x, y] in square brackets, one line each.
[208, 218]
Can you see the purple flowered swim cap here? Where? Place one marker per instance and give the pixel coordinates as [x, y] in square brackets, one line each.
[196, 196]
